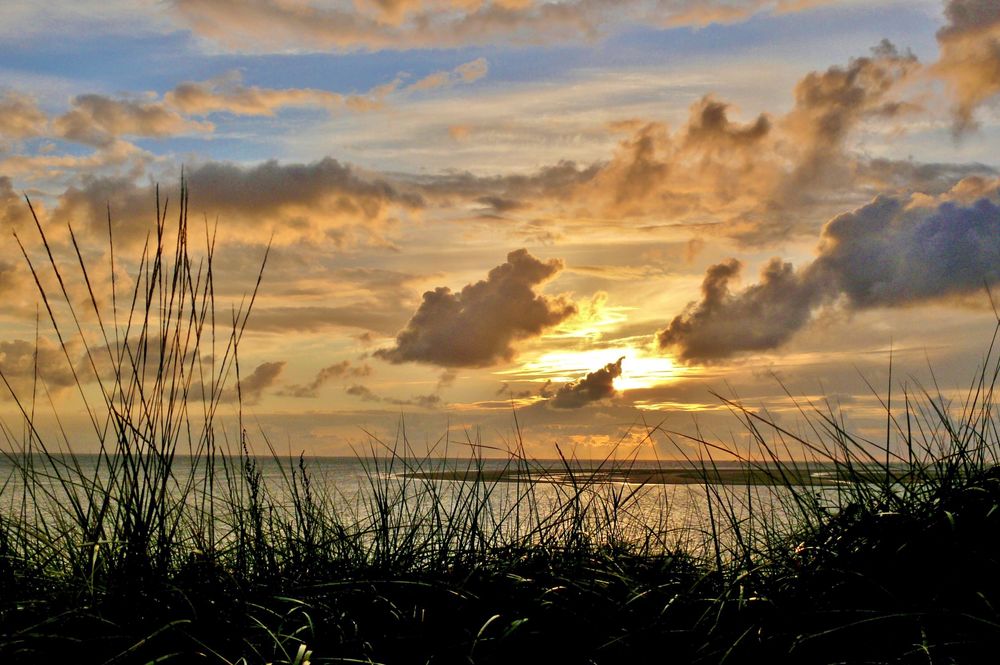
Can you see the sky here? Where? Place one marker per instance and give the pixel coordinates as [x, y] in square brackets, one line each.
[587, 224]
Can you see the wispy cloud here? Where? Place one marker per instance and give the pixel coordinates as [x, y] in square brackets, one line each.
[270, 25]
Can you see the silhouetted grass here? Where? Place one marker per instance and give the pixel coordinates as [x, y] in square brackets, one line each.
[139, 558]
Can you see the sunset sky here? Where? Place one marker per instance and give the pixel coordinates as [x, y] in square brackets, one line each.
[597, 214]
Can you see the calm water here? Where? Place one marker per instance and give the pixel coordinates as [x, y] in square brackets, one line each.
[504, 495]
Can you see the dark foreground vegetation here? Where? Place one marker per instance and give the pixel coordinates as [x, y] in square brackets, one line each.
[130, 561]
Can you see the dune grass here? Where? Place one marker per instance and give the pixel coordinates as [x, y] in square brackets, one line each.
[171, 546]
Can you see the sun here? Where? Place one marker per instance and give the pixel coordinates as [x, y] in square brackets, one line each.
[639, 369]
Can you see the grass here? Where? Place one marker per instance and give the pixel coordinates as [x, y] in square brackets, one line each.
[172, 546]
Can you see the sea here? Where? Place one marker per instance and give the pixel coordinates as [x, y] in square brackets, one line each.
[671, 503]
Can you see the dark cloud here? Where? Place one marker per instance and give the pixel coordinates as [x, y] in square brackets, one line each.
[887, 254]
[710, 127]
[970, 56]
[884, 254]
[430, 401]
[324, 200]
[762, 316]
[343, 369]
[478, 326]
[363, 393]
[597, 385]
[252, 387]
[505, 390]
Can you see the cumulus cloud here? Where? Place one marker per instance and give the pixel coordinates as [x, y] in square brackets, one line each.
[755, 180]
[343, 369]
[479, 325]
[760, 317]
[970, 56]
[325, 200]
[597, 385]
[828, 105]
[20, 117]
[273, 25]
[98, 120]
[890, 252]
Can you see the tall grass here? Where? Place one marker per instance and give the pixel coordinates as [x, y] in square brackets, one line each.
[171, 545]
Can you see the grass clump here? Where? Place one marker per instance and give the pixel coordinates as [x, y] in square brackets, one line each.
[169, 545]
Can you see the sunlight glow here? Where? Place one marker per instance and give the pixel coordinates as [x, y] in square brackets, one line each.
[639, 370]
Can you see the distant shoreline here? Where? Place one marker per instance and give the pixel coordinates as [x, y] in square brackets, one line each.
[787, 476]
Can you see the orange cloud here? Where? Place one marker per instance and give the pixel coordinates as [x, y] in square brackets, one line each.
[275, 25]
[20, 116]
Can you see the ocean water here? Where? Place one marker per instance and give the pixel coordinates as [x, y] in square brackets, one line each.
[663, 502]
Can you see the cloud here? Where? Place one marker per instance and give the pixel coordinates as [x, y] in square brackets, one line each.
[228, 93]
[14, 212]
[273, 25]
[366, 395]
[324, 200]
[20, 117]
[116, 158]
[888, 253]
[702, 13]
[597, 385]
[478, 326]
[21, 359]
[760, 317]
[830, 104]
[506, 391]
[375, 316]
[756, 180]
[464, 73]
[342, 369]
[363, 393]
[98, 120]
[969, 59]
[252, 387]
